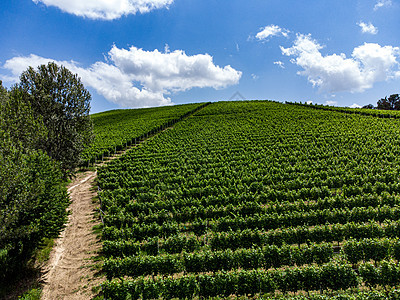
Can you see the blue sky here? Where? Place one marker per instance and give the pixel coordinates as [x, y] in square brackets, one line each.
[132, 53]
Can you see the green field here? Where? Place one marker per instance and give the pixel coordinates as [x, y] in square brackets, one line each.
[116, 129]
[360, 111]
[255, 199]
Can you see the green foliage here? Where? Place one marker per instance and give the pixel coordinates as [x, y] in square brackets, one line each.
[3, 94]
[246, 198]
[387, 108]
[357, 294]
[42, 254]
[332, 276]
[367, 249]
[116, 129]
[33, 202]
[19, 121]
[33, 199]
[59, 98]
[386, 273]
[206, 260]
[34, 294]
[391, 103]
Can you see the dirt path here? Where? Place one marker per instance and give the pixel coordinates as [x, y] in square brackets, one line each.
[69, 274]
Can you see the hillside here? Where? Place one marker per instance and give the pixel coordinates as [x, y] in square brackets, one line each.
[255, 198]
[117, 129]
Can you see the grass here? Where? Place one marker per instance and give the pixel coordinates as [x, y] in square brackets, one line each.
[43, 253]
[33, 294]
[84, 169]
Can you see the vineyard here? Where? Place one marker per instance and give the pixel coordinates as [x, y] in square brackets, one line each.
[360, 111]
[253, 199]
[117, 129]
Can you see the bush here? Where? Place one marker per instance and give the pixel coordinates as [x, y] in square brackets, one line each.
[33, 198]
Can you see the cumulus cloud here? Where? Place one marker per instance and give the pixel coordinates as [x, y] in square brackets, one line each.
[382, 3]
[331, 103]
[106, 9]
[138, 78]
[368, 28]
[355, 105]
[271, 30]
[369, 63]
[19, 64]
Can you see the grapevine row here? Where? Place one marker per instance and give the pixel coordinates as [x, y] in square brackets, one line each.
[213, 207]
[206, 261]
[257, 221]
[123, 242]
[116, 130]
[332, 276]
[269, 256]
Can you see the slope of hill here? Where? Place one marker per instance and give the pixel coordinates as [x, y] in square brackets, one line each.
[380, 113]
[71, 273]
[254, 198]
[115, 130]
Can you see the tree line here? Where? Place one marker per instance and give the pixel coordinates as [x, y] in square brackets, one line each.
[44, 127]
[391, 103]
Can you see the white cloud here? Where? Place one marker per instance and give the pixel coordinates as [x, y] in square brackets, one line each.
[173, 71]
[369, 63]
[280, 64]
[106, 9]
[382, 3]
[19, 64]
[331, 103]
[368, 28]
[139, 78]
[254, 76]
[271, 30]
[309, 102]
[355, 105]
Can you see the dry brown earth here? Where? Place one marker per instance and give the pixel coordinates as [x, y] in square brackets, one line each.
[70, 273]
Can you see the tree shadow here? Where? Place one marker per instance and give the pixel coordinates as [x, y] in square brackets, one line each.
[26, 279]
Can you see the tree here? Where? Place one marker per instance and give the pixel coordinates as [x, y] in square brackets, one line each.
[3, 94]
[391, 103]
[18, 120]
[59, 98]
[33, 197]
[368, 106]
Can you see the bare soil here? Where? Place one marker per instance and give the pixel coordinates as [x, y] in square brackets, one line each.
[70, 272]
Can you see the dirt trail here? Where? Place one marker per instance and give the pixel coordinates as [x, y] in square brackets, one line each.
[69, 274]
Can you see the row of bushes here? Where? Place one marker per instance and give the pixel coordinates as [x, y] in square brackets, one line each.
[270, 256]
[333, 276]
[206, 261]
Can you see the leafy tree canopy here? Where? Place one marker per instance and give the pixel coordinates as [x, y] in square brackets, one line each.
[368, 106]
[33, 197]
[391, 103]
[59, 98]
